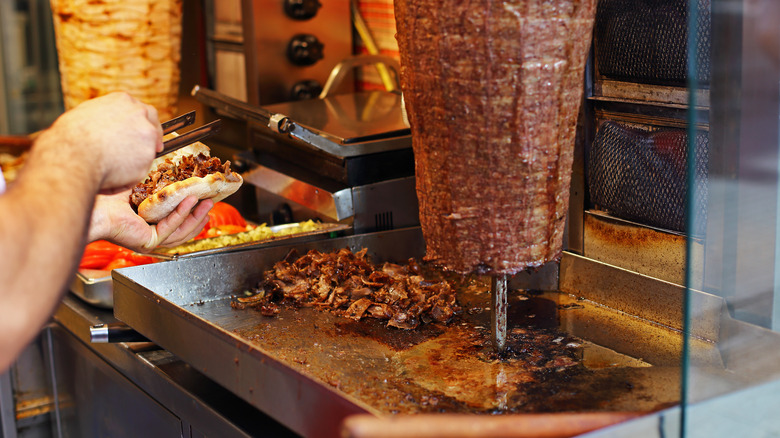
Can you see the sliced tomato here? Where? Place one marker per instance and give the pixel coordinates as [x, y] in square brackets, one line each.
[222, 214]
[119, 263]
[95, 261]
[98, 254]
[225, 214]
[101, 247]
[106, 256]
[139, 259]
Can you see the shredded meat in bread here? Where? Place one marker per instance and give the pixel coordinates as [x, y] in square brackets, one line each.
[169, 172]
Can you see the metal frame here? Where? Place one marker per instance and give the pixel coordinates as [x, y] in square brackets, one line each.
[201, 406]
[7, 407]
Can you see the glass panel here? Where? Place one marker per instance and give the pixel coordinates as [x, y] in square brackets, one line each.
[736, 393]
[30, 96]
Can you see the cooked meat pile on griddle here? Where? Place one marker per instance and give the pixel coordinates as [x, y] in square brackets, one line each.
[350, 285]
[169, 172]
[492, 91]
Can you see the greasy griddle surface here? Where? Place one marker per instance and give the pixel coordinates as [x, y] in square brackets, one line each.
[452, 368]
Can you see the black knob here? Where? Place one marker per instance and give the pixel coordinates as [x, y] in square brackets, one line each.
[307, 89]
[301, 9]
[304, 49]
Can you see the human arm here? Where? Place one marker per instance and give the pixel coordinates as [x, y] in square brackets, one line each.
[101, 145]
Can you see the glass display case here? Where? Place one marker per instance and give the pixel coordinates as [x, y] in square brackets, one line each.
[682, 141]
[739, 262]
[30, 94]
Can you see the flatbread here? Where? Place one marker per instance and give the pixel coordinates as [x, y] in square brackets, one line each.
[216, 186]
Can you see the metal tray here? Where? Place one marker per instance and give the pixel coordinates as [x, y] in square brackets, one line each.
[310, 369]
[94, 287]
[328, 229]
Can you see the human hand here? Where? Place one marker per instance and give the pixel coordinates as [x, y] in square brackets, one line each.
[116, 133]
[114, 220]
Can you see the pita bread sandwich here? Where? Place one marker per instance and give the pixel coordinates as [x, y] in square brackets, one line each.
[188, 171]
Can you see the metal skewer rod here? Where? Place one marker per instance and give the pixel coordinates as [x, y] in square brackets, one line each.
[498, 301]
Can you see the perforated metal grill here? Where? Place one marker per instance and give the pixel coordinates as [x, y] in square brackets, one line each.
[641, 175]
[646, 41]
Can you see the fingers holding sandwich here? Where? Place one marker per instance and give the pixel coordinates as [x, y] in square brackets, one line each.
[114, 220]
[184, 223]
[170, 206]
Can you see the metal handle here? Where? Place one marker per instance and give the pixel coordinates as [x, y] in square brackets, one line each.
[114, 332]
[240, 110]
[341, 69]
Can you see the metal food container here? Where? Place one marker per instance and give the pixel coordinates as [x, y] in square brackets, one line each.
[94, 287]
[326, 230]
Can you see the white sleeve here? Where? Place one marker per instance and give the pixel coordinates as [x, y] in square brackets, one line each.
[2, 182]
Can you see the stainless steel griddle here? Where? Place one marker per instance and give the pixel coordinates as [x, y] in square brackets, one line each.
[310, 369]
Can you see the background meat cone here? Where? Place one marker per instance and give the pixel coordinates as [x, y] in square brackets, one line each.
[119, 45]
[492, 91]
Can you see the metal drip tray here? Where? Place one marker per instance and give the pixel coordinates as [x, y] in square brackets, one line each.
[287, 365]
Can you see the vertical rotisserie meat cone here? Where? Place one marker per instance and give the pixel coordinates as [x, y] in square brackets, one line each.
[119, 45]
[492, 91]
